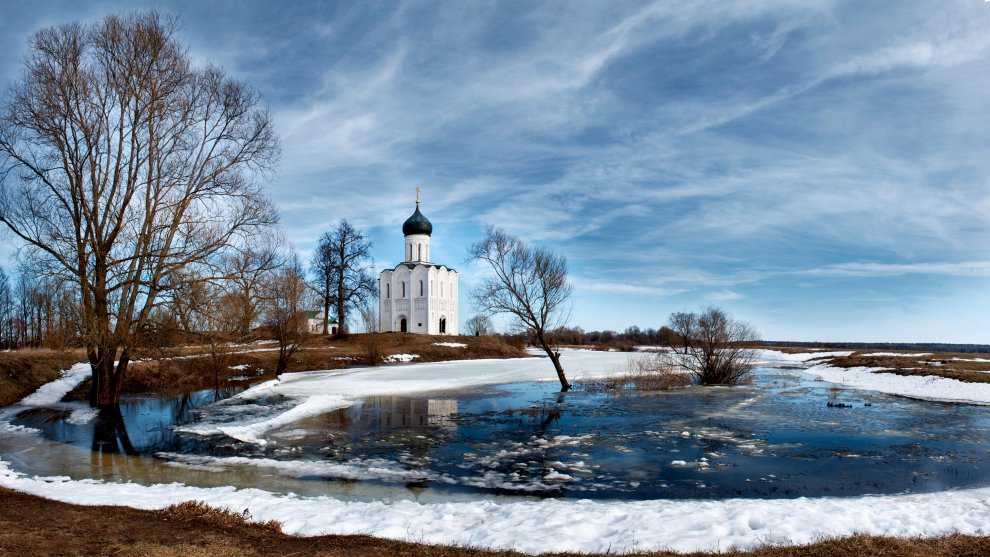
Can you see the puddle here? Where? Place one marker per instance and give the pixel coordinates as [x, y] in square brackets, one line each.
[775, 438]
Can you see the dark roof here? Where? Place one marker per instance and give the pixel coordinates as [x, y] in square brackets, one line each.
[417, 224]
[413, 265]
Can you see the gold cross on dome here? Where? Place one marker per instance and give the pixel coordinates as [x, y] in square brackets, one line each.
[417, 194]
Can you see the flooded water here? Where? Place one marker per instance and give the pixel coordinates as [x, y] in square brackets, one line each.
[775, 438]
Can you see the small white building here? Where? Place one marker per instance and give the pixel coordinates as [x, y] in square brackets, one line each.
[418, 296]
[314, 323]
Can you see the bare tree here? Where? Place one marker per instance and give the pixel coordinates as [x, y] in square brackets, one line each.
[244, 273]
[6, 311]
[371, 341]
[529, 283]
[123, 164]
[684, 325]
[722, 349]
[479, 325]
[342, 276]
[285, 303]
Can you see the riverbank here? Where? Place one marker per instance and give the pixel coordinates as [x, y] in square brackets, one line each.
[31, 525]
[185, 369]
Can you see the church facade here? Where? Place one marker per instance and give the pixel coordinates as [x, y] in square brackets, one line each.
[418, 296]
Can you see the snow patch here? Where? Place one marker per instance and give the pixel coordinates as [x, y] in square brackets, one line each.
[451, 344]
[52, 393]
[557, 525]
[928, 387]
[400, 358]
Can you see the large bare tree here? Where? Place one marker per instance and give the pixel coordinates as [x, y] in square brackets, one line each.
[123, 164]
[721, 350]
[285, 300]
[685, 325]
[529, 283]
[342, 276]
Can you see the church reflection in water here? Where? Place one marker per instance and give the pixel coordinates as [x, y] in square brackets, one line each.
[393, 412]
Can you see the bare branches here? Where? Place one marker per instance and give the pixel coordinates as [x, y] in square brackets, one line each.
[125, 165]
[342, 276]
[528, 283]
[718, 349]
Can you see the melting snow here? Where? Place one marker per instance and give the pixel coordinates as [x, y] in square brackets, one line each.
[529, 526]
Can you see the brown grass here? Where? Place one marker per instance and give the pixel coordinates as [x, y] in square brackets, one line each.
[23, 371]
[31, 525]
[938, 364]
[172, 371]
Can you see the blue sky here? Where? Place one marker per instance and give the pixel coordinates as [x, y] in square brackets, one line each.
[818, 168]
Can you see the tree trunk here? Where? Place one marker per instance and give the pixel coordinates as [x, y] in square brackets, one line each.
[555, 358]
[341, 329]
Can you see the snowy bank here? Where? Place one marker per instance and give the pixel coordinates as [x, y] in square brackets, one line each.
[558, 525]
[928, 387]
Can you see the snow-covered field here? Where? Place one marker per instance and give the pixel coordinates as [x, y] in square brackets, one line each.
[537, 525]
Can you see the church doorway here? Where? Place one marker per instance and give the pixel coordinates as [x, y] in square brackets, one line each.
[403, 328]
[443, 325]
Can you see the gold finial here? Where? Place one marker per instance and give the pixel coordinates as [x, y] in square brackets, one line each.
[417, 195]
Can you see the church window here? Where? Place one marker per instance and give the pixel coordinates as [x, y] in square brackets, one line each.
[387, 291]
[420, 288]
[403, 289]
[419, 252]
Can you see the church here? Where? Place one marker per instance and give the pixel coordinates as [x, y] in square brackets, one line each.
[418, 296]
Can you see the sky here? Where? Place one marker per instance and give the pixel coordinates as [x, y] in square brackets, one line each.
[817, 168]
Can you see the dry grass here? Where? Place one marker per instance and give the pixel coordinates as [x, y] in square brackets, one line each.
[647, 372]
[31, 525]
[189, 368]
[23, 371]
[938, 364]
[198, 512]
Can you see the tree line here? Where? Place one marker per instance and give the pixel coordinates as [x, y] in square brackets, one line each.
[135, 181]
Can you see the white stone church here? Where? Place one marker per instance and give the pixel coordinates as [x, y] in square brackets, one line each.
[418, 296]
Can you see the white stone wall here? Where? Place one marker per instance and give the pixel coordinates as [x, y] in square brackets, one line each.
[423, 295]
[417, 248]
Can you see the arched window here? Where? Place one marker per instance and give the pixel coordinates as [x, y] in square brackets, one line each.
[388, 293]
[403, 289]
[420, 288]
[410, 253]
[419, 252]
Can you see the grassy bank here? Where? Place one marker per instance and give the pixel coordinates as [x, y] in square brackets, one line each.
[970, 368]
[31, 525]
[23, 371]
[190, 368]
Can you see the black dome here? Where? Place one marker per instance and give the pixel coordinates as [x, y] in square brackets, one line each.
[417, 224]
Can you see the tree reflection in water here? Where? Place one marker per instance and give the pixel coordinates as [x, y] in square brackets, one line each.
[110, 433]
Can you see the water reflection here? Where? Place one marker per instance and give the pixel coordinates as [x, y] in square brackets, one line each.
[393, 412]
[776, 438]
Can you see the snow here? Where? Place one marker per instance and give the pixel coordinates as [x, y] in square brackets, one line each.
[530, 526]
[928, 387]
[50, 394]
[451, 344]
[557, 524]
[253, 432]
[401, 358]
